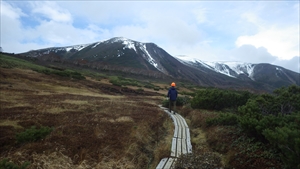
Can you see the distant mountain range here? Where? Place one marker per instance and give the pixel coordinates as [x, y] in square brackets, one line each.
[147, 59]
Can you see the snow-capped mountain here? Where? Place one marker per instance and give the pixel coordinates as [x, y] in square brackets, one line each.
[231, 69]
[147, 59]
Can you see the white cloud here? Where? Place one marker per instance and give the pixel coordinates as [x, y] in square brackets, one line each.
[283, 43]
[251, 54]
[51, 11]
[244, 31]
[11, 12]
[55, 30]
[292, 64]
[12, 33]
[252, 18]
[200, 14]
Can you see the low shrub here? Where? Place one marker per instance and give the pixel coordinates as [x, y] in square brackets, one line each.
[217, 99]
[182, 101]
[156, 88]
[33, 134]
[5, 164]
[62, 73]
[223, 119]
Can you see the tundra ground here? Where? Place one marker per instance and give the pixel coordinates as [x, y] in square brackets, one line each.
[96, 125]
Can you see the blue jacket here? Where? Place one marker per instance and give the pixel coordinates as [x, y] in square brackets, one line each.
[172, 94]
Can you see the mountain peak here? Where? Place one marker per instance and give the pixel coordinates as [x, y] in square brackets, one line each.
[123, 54]
[119, 39]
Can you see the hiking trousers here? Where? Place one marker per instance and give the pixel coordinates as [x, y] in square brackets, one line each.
[172, 103]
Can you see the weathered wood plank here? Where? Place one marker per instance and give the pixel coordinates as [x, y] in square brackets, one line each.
[180, 119]
[183, 133]
[176, 130]
[189, 146]
[179, 135]
[169, 163]
[177, 126]
[173, 147]
[184, 122]
[174, 162]
[181, 142]
[184, 146]
[162, 163]
[178, 148]
[188, 136]
[174, 120]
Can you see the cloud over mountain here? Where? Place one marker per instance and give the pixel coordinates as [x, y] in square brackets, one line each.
[199, 29]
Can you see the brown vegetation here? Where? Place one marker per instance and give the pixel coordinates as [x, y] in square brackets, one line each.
[96, 125]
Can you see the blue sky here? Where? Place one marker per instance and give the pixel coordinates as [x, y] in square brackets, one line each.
[246, 31]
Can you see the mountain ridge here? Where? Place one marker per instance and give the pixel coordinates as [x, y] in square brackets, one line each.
[120, 53]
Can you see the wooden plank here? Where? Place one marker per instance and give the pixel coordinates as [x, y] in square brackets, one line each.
[185, 124]
[181, 142]
[169, 163]
[179, 127]
[174, 162]
[162, 163]
[172, 116]
[188, 136]
[184, 146]
[189, 146]
[181, 120]
[176, 131]
[183, 133]
[178, 147]
[173, 147]
[179, 135]
[174, 120]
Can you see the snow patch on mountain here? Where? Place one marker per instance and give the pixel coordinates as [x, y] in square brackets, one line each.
[129, 44]
[96, 44]
[232, 69]
[237, 67]
[76, 47]
[148, 56]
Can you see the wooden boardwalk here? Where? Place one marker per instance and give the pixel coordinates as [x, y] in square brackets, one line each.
[181, 141]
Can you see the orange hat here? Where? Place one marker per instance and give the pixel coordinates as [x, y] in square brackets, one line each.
[173, 84]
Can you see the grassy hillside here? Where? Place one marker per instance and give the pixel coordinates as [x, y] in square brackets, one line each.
[62, 117]
[93, 123]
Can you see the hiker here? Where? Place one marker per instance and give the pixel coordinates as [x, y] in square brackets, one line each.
[172, 96]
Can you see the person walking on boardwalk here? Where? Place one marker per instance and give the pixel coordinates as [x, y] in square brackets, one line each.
[172, 96]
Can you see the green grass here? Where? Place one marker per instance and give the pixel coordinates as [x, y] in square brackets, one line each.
[12, 62]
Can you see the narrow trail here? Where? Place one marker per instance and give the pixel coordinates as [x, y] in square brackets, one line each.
[181, 141]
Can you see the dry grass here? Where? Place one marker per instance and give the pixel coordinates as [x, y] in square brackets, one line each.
[96, 125]
[204, 154]
[164, 146]
[10, 123]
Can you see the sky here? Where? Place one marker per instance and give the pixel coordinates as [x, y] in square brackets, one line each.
[244, 31]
